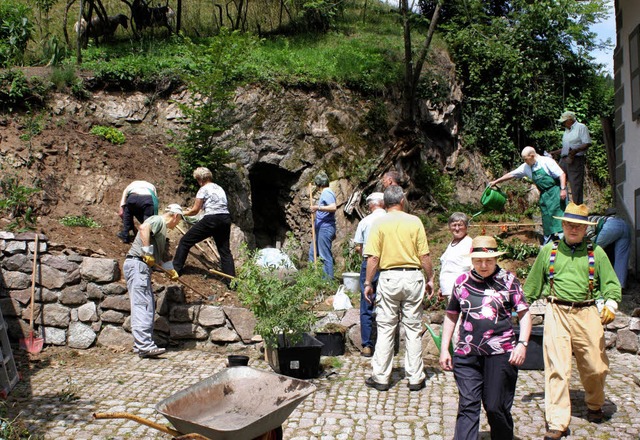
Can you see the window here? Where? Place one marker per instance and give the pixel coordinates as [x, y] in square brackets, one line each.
[634, 67]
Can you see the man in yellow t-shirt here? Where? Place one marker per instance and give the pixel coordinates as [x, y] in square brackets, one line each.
[397, 246]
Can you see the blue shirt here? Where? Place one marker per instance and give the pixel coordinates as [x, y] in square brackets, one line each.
[327, 197]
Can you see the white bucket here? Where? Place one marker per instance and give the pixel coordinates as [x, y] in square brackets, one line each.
[351, 281]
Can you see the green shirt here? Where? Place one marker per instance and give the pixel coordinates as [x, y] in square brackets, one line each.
[158, 228]
[571, 280]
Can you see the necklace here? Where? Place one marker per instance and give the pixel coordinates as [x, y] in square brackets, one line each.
[454, 243]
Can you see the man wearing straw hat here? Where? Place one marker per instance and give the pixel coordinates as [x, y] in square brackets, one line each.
[397, 246]
[572, 275]
[148, 248]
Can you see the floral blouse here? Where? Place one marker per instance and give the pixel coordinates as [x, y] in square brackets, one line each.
[486, 305]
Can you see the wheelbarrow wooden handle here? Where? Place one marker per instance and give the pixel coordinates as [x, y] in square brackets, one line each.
[143, 421]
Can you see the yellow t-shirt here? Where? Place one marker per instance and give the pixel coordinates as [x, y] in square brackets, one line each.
[398, 239]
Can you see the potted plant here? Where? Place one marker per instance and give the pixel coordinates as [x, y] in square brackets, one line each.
[283, 308]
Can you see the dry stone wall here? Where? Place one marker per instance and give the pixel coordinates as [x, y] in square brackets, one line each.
[82, 301]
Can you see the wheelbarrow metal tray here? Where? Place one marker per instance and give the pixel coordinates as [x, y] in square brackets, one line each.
[236, 403]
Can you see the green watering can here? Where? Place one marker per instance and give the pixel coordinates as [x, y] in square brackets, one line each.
[492, 200]
[437, 339]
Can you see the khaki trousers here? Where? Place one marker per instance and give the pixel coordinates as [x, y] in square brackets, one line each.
[399, 292]
[579, 331]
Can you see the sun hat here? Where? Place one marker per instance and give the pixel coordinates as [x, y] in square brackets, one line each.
[375, 197]
[174, 208]
[484, 246]
[576, 214]
[566, 116]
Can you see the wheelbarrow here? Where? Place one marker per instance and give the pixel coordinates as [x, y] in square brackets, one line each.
[239, 403]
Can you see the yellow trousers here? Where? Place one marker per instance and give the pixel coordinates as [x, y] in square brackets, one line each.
[570, 330]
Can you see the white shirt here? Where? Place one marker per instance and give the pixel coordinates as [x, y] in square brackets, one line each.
[214, 199]
[455, 261]
[573, 137]
[364, 227]
[549, 165]
[137, 187]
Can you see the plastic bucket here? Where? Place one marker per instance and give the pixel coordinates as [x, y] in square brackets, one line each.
[493, 199]
[237, 360]
[351, 281]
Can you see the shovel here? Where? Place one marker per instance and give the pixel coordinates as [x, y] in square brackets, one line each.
[31, 343]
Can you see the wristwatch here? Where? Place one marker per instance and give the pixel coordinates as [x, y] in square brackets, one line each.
[525, 343]
[367, 283]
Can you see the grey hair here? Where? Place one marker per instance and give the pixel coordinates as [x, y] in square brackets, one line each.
[203, 174]
[393, 175]
[526, 151]
[459, 217]
[393, 195]
[321, 179]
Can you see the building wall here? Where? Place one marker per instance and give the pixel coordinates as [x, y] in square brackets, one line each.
[627, 130]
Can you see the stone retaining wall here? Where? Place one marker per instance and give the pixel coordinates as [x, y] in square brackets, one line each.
[82, 301]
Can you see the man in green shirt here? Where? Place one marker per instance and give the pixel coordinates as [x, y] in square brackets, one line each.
[572, 274]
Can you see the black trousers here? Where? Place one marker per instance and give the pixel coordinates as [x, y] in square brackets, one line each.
[138, 206]
[492, 381]
[217, 226]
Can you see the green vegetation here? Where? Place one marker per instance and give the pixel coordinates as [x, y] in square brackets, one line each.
[517, 250]
[18, 92]
[17, 201]
[79, 221]
[15, 31]
[433, 181]
[351, 259]
[535, 56]
[111, 134]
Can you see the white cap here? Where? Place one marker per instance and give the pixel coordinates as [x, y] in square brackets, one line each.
[375, 197]
[174, 208]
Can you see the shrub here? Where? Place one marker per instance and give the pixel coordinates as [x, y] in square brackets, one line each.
[15, 31]
[18, 92]
[111, 134]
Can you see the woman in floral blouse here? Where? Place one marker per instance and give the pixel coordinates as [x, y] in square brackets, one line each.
[486, 358]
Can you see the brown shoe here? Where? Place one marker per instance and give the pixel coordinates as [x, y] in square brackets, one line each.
[554, 434]
[367, 352]
[595, 415]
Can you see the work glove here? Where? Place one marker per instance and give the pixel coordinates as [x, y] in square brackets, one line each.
[147, 255]
[608, 313]
[149, 260]
[173, 275]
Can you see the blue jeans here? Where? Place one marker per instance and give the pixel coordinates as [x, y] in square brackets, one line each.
[325, 234]
[616, 231]
[367, 321]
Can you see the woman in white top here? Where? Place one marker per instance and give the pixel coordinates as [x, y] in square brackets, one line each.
[216, 223]
[455, 260]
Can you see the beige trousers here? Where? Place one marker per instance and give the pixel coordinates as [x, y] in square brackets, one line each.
[399, 293]
[579, 331]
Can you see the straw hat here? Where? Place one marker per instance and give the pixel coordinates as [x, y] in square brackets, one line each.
[484, 246]
[576, 214]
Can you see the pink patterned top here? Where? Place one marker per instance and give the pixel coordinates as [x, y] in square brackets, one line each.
[486, 305]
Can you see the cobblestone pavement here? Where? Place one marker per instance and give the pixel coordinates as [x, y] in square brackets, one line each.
[58, 395]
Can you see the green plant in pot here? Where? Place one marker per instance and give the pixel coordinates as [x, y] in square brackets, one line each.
[282, 304]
